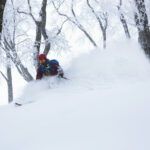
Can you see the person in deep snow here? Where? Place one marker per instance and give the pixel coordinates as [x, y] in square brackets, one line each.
[48, 68]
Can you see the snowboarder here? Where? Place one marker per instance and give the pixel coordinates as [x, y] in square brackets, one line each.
[48, 68]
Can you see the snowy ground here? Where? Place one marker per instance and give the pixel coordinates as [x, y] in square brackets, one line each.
[106, 107]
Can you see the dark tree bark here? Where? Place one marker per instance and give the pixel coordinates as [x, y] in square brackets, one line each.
[43, 27]
[2, 6]
[141, 20]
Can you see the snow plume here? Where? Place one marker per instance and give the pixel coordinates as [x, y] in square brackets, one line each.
[121, 61]
[35, 90]
[32, 89]
[71, 117]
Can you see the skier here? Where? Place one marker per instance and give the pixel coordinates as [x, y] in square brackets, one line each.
[48, 68]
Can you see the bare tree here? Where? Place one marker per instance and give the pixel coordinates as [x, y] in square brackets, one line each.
[142, 24]
[8, 77]
[9, 46]
[103, 24]
[41, 30]
[123, 20]
[74, 20]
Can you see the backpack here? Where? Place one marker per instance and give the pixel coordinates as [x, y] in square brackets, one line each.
[53, 60]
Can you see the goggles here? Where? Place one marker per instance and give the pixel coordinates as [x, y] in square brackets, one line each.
[42, 61]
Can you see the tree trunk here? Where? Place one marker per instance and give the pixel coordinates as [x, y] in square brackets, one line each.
[9, 84]
[123, 20]
[125, 26]
[37, 43]
[104, 38]
[2, 6]
[141, 20]
[43, 27]
[41, 31]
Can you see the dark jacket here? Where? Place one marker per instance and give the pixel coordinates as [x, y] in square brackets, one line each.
[47, 70]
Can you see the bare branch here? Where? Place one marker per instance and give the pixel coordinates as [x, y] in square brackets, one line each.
[61, 14]
[97, 17]
[104, 25]
[22, 41]
[30, 9]
[4, 76]
[76, 22]
[28, 13]
[60, 29]
[22, 12]
[73, 10]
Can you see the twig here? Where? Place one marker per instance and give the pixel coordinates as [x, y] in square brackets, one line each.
[4, 76]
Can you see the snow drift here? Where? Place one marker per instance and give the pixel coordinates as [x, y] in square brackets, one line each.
[120, 61]
[104, 105]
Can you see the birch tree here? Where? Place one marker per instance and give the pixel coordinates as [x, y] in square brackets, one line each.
[9, 43]
[8, 77]
[102, 20]
[73, 19]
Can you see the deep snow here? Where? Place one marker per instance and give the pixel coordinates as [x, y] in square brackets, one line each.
[105, 105]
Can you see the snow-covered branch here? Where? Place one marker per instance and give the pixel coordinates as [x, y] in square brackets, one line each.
[104, 25]
[123, 20]
[75, 21]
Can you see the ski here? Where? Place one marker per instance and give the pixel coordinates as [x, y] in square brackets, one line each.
[17, 104]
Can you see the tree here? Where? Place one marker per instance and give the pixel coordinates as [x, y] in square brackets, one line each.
[73, 20]
[2, 6]
[123, 20]
[103, 24]
[8, 78]
[141, 20]
[9, 43]
[40, 30]
[40, 23]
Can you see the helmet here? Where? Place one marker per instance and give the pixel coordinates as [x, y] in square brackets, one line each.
[42, 56]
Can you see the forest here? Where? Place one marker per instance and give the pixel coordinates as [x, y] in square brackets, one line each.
[56, 27]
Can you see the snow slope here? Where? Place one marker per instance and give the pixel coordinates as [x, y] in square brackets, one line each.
[105, 105]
